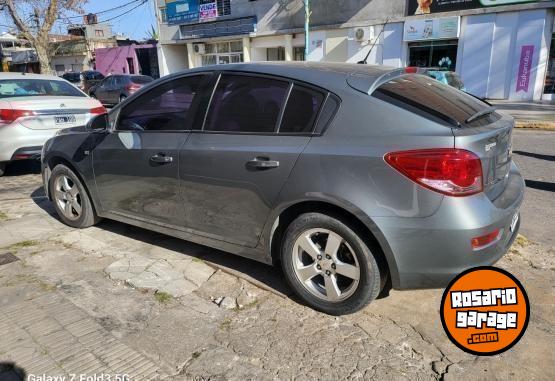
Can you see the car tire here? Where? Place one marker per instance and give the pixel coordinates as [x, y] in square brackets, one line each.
[2, 169]
[71, 199]
[331, 257]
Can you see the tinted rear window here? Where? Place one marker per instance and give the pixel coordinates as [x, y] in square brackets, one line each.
[427, 97]
[10, 88]
[72, 77]
[141, 79]
[301, 111]
[92, 75]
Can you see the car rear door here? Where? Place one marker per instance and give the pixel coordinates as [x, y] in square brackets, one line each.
[136, 164]
[233, 170]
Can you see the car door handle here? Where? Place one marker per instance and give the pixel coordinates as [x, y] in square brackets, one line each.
[161, 158]
[263, 163]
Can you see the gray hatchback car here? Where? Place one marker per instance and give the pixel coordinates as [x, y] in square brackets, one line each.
[354, 178]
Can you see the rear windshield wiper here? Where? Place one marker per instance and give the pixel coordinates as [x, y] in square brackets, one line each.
[481, 113]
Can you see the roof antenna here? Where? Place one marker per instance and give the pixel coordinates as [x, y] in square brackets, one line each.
[365, 60]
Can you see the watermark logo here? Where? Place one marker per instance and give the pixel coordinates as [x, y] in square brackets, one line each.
[485, 311]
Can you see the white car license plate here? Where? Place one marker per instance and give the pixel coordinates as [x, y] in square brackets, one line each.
[64, 119]
[514, 222]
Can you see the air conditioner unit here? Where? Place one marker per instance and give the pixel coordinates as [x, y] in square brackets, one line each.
[199, 48]
[364, 34]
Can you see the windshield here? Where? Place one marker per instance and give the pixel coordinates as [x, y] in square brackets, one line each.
[141, 79]
[10, 88]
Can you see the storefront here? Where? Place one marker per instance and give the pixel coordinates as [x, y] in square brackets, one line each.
[549, 87]
[221, 53]
[499, 52]
[433, 42]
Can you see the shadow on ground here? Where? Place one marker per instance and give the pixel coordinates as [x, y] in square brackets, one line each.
[23, 167]
[268, 276]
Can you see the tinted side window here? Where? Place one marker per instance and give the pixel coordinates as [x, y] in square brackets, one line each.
[421, 95]
[301, 111]
[246, 104]
[168, 107]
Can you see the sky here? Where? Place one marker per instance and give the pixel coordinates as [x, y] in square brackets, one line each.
[134, 24]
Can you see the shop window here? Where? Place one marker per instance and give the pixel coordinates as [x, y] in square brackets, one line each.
[275, 54]
[298, 54]
[550, 77]
[163, 14]
[434, 54]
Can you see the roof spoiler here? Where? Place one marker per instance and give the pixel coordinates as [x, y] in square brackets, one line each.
[367, 84]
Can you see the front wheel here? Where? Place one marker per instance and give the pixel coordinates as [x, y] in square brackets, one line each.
[328, 265]
[71, 200]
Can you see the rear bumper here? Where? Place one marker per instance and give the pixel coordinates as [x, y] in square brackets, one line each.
[430, 252]
[17, 140]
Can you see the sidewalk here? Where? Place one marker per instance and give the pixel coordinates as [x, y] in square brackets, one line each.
[528, 114]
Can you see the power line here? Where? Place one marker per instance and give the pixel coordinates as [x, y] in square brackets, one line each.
[104, 11]
[143, 2]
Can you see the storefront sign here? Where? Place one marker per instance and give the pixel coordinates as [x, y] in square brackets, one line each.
[182, 11]
[523, 80]
[422, 7]
[208, 10]
[432, 29]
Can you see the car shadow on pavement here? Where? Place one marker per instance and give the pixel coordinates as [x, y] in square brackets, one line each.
[265, 276]
[23, 167]
[541, 185]
[11, 372]
[535, 155]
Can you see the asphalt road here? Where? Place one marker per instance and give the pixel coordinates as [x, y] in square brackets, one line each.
[534, 153]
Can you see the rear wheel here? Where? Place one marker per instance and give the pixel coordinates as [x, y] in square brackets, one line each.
[71, 200]
[328, 265]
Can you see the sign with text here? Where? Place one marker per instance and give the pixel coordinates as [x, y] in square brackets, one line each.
[432, 29]
[208, 10]
[422, 7]
[182, 11]
[524, 68]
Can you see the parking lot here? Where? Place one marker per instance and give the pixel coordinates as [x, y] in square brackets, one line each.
[115, 299]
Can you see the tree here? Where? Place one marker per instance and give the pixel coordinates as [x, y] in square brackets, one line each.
[35, 18]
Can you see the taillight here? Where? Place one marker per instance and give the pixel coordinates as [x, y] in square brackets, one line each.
[411, 70]
[132, 87]
[486, 240]
[450, 171]
[98, 110]
[8, 116]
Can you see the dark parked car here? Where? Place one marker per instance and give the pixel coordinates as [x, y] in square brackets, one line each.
[116, 88]
[88, 79]
[72, 77]
[353, 178]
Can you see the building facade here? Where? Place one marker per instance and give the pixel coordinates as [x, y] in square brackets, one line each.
[503, 49]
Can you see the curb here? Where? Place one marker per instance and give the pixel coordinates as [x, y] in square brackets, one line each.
[535, 125]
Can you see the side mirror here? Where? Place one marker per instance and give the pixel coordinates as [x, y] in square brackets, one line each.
[98, 123]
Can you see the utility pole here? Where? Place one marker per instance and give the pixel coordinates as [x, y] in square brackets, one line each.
[306, 28]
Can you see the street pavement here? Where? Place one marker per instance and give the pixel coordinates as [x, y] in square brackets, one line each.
[115, 299]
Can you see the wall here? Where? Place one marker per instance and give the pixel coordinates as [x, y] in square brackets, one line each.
[490, 65]
[114, 60]
[81, 61]
[172, 58]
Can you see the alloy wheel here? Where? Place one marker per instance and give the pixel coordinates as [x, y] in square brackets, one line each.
[326, 265]
[67, 197]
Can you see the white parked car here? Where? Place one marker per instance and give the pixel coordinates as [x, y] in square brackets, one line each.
[33, 108]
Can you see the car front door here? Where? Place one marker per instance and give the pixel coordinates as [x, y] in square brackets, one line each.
[233, 170]
[136, 164]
